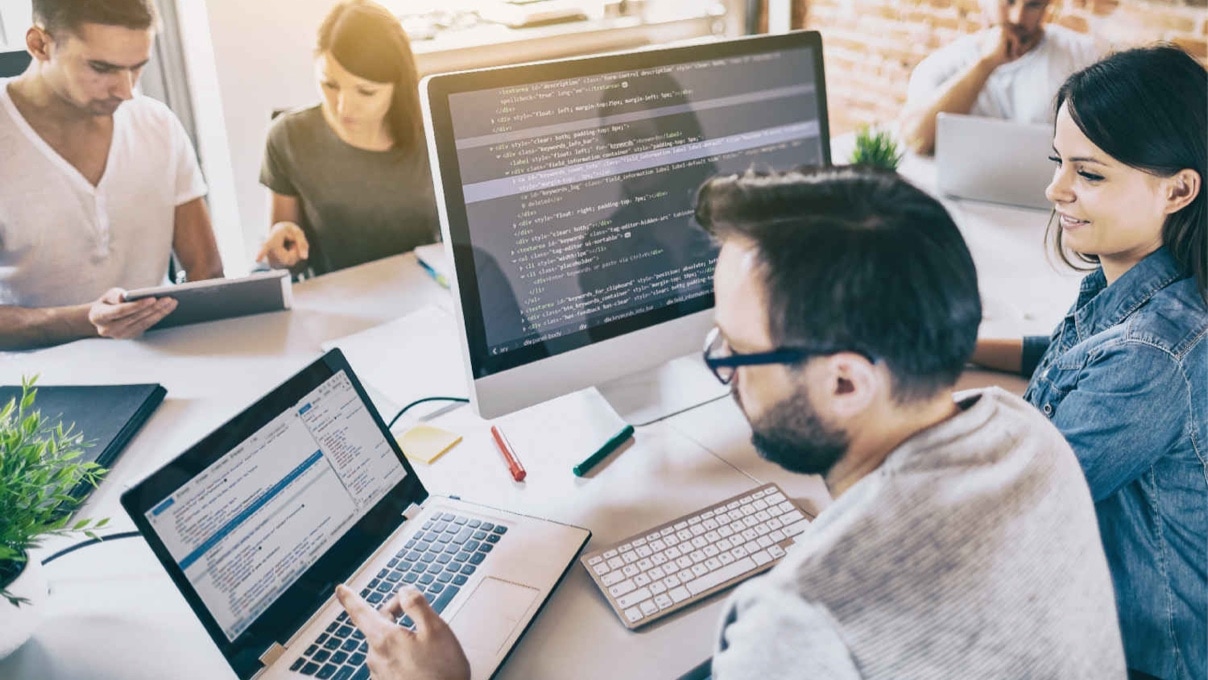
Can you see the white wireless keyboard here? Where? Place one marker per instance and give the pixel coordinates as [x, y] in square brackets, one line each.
[674, 565]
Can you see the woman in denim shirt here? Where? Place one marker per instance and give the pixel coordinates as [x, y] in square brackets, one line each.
[1125, 375]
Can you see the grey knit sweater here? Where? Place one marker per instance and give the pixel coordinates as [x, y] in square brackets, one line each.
[972, 552]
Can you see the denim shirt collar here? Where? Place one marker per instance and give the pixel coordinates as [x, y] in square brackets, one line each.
[1101, 306]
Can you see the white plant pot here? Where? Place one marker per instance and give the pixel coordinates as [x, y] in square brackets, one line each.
[17, 624]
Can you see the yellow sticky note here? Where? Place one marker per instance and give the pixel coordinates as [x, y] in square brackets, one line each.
[425, 443]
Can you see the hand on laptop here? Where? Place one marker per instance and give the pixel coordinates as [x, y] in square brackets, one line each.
[432, 652]
[113, 318]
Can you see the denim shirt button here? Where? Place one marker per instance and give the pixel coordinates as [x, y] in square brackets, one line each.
[1048, 409]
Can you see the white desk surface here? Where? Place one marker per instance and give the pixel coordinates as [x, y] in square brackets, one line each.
[113, 612]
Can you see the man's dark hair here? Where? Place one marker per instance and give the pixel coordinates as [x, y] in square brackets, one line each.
[856, 258]
[58, 15]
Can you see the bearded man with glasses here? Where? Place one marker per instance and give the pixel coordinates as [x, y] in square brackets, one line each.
[962, 541]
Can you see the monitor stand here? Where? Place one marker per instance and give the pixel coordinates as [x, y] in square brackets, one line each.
[663, 391]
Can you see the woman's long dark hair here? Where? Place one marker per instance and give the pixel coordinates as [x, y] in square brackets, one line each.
[368, 41]
[1147, 108]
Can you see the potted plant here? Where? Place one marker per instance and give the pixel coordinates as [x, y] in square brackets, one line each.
[38, 471]
[876, 148]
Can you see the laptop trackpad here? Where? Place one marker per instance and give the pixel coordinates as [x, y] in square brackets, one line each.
[493, 612]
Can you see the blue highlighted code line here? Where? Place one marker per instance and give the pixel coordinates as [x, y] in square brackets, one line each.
[157, 510]
[242, 517]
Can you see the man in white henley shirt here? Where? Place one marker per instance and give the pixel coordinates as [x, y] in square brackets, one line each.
[101, 186]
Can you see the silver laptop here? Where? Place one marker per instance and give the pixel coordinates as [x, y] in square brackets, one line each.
[305, 489]
[987, 159]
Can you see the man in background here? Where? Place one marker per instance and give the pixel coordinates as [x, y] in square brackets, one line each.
[101, 186]
[1011, 71]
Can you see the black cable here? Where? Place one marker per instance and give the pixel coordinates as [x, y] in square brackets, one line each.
[91, 541]
[420, 401]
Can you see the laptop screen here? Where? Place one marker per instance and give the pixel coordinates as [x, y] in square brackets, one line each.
[256, 519]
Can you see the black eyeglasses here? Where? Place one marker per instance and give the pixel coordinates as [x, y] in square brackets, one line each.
[724, 361]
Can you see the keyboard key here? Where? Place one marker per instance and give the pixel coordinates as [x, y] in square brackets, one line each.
[349, 645]
[633, 614]
[322, 639]
[487, 526]
[331, 628]
[321, 656]
[437, 587]
[310, 669]
[339, 657]
[297, 664]
[479, 535]
[468, 569]
[648, 607]
[493, 538]
[459, 521]
[795, 528]
[622, 588]
[461, 557]
[716, 578]
[460, 580]
[356, 659]
[343, 674]
[448, 516]
[500, 530]
[327, 671]
[663, 601]
[678, 595]
[344, 631]
[471, 546]
[474, 523]
[334, 643]
[373, 598]
[485, 548]
[477, 558]
[445, 598]
[776, 552]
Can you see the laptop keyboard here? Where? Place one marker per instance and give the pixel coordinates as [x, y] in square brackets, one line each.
[438, 560]
[674, 565]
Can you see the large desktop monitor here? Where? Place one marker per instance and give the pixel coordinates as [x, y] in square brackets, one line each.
[566, 193]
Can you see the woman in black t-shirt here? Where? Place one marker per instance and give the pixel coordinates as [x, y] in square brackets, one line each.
[349, 177]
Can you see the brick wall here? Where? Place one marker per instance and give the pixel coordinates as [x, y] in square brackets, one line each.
[871, 46]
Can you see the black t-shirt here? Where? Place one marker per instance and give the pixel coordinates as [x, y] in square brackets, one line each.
[355, 205]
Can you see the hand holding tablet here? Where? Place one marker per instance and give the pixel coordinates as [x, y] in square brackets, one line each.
[214, 299]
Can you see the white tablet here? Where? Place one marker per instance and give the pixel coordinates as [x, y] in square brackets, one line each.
[199, 301]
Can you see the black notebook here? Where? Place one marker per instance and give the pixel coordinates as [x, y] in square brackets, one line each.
[107, 415]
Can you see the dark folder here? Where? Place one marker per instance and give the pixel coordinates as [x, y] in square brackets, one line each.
[108, 416]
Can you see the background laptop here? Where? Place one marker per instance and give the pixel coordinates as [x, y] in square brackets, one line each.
[305, 489]
[987, 159]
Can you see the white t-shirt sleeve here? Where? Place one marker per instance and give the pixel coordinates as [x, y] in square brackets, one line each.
[190, 184]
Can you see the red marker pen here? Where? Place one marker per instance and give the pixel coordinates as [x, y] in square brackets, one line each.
[509, 454]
